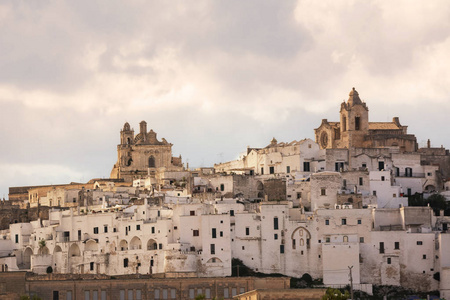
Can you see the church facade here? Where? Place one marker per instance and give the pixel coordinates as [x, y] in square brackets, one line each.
[355, 131]
[142, 154]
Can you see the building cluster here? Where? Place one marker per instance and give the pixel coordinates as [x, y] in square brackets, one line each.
[326, 208]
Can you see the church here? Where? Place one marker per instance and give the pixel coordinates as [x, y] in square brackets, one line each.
[143, 154]
[355, 131]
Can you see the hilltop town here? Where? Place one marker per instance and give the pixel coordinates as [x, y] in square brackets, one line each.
[361, 198]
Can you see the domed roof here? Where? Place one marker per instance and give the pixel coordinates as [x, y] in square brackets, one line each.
[354, 98]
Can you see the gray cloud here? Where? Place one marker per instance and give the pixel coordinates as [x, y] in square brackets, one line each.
[210, 77]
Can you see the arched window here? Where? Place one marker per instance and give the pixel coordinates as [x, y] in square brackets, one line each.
[302, 242]
[345, 239]
[128, 141]
[151, 162]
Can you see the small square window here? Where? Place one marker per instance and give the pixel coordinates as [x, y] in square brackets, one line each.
[389, 260]
[344, 221]
[361, 239]
[424, 256]
[419, 243]
[275, 236]
[327, 222]
[396, 245]
[359, 221]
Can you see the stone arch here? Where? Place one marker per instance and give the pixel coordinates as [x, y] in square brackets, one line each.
[430, 188]
[27, 258]
[91, 245]
[74, 250]
[151, 162]
[44, 250]
[301, 233]
[152, 245]
[123, 245]
[57, 249]
[135, 243]
[214, 260]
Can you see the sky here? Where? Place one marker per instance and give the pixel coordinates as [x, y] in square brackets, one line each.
[211, 77]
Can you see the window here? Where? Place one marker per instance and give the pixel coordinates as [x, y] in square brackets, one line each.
[339, 166]
[397, 245]
[382, 178]
[139, 295]
[222, 187]
[192, 213]
[103, 295]
[105, 228]
[247, 230]
[293, 244]
[232, 213]
[95, 295]
[381, 247]
[165, 294]
[306, 166]
[345, 239]
[55, 295]
[360, 181]
[281, 249]
[157, 293]
[125, 262]
[95, 230]
[357, 123]
[361, 239]
[374, 193]
[17, 238]
[262, 171]
[327, 222]
[327, 239]
[153, 229]
[364, 165]
[151, 162]
[388, 260]
[419, 243]
[233, 292]
[138, 227]
[160, 246]
[69, 295]
[359, 221]
[173, 293]
[221, 234]
[272, 170]
[213, 248]
[424, 256]
[323, 191]
[87, 295]
[408, 172]
[299, 195]
[91, 266]
[288, 169]
[344, 221]
[226, 293]
[275, 236]
[381, 166]
[213, 233]
[275, 223]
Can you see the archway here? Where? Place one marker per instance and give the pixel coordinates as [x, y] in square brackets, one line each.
[91, 245]
[123, 245]
[57, 249]
[301, 233]
[27, 258]
[152, 245]
[135, 243]
[74, 250]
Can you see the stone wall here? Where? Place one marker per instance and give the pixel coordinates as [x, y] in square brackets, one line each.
[15, 284]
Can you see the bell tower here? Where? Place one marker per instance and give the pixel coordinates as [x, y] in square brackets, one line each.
[126, 135]
[354, 121]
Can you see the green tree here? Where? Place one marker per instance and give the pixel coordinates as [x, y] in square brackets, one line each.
[335, 294]
[200, 297]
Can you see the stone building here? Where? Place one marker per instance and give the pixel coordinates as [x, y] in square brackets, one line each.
[142, 154]
[355, 131]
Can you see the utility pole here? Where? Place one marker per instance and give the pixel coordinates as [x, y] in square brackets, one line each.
[351, 282]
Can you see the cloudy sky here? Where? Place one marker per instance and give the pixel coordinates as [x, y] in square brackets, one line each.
[209, 76]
